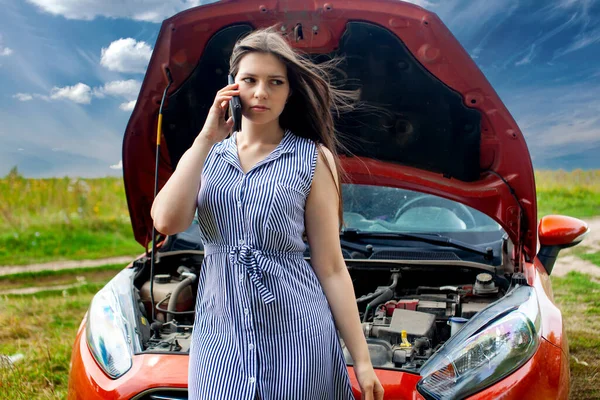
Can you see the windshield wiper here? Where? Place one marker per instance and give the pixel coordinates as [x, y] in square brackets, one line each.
[350, 234]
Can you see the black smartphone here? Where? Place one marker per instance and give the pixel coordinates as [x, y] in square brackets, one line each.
[235, 105]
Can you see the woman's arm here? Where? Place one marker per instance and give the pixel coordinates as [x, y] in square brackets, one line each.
[322, 224]
[173, 208]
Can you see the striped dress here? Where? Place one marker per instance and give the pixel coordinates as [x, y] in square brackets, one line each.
[263, 326]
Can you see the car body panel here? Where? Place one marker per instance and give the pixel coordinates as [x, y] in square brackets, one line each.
[504, 162]
[552, 320]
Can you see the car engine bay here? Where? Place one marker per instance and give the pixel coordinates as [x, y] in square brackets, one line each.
[408, 311]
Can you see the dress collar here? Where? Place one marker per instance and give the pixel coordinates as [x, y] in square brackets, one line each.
[228, 149]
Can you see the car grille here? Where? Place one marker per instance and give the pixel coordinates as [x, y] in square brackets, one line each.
[163, 394]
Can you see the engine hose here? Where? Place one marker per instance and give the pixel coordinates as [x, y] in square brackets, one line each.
[371, 296]
[178, 289]
[385, 295]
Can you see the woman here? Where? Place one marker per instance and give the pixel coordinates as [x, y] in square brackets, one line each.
[266, 320]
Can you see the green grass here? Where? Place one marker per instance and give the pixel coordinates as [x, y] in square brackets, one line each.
[591, 257]
[26, 203]
[575, 193]
[63, 219]
[578, 203]
[578, 297]
[42, 327]
[74, 241]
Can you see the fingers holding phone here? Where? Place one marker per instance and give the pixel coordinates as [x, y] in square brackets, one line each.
[235, 105]
[217, 127]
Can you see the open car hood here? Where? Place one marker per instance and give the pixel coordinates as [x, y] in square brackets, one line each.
[438, 126]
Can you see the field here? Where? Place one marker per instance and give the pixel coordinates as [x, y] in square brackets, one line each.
[52, 219]
[42, 328]
[576, 193]
[59, 219]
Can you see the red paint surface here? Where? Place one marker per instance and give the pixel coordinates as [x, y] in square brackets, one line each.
[503, 149]
[559, 229]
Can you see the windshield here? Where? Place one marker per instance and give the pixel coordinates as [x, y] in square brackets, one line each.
[386, 209]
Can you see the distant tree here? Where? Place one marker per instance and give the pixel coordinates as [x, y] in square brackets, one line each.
[14, 173]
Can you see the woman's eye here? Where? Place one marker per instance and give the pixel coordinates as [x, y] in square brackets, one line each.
[277, 82]
[248, 80]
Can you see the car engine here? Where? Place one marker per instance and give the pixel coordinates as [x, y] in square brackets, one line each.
[407, 311]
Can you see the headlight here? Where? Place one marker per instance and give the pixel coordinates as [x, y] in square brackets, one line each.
[496, 342]
[110, 332]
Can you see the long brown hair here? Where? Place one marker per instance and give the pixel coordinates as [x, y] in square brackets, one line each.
[314, 99]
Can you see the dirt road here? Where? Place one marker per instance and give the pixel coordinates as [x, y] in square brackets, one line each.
[60, 265]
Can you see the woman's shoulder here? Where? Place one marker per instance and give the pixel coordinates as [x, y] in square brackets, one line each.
[313, 148]
[219, 147]
[303, 144]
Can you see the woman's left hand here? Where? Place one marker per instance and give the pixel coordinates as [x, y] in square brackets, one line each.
[367, 380]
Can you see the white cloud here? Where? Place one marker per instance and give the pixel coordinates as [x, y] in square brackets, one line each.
[582, 6]
[28, 97]
[119, 165]
[23, 97]
[79, 93]
[4, 51]
[41, 97]
[540, 40]
[126, 55]
[421, 3]
[128, 106]
[558, 120]
[83, 94]
[141, 10]
[582, 40]
[528, 57]
[128, 89]
[469, 17]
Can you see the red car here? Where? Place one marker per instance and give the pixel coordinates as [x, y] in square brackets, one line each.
[450, 265]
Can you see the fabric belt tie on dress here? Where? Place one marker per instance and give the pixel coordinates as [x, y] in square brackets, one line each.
[255, 262]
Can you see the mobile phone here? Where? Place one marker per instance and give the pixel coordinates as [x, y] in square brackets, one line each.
[235, 105]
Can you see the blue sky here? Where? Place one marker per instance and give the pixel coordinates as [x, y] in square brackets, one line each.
[70, 72]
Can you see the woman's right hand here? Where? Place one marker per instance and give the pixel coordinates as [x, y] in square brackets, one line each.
[215, 127]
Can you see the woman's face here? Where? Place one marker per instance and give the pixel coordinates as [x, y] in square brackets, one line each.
[264, 87]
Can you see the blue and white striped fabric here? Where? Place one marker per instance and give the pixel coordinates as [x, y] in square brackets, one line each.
[263, 325]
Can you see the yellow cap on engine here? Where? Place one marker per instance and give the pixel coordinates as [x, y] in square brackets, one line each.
[405, 343]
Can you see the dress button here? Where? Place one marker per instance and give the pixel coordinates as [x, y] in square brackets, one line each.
[239, 203]
[241, 276]
[246, 311]
[242, 241]
[251, 346]
[251, 380]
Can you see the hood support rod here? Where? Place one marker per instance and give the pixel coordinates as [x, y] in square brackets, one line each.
[520, 222]
[158, 135]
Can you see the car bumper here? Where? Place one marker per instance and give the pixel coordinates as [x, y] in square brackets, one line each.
[546, 375]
